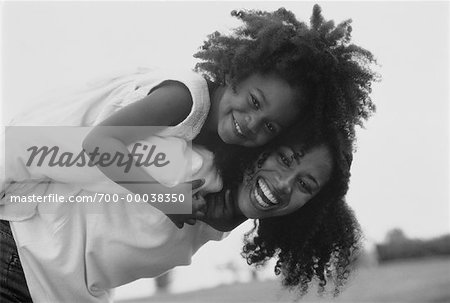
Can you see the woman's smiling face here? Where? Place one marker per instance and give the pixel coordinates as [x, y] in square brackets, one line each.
[259, 108]
[285, 182]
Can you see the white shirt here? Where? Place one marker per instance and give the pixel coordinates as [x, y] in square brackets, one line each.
[70, 254]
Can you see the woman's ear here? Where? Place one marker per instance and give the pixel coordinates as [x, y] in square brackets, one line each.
[227, 79]
[262, 158]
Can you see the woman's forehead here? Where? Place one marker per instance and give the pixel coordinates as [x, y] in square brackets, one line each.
[302, 147]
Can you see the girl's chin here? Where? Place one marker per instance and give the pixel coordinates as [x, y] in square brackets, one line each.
[226, 137]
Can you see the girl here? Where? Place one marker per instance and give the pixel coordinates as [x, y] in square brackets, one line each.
[267, 74]
[257, 89]
[96, 252]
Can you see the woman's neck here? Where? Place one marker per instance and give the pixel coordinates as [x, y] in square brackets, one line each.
[239, 215]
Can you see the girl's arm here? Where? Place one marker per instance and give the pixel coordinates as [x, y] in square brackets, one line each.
[168, 105]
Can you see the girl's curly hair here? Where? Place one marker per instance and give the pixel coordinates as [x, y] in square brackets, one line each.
[318, 59]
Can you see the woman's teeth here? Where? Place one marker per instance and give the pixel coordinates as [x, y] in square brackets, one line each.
[264, 197]
[260, 200]
[267, 191]
[238, 128]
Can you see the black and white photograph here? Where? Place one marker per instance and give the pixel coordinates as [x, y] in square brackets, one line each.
[225, 151]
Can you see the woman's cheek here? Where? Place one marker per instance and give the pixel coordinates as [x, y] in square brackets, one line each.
[271, 162]
[298, 200]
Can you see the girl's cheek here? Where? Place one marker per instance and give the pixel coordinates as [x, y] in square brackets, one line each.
[242, 103]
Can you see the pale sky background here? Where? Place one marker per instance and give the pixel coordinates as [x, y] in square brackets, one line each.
[400, 173]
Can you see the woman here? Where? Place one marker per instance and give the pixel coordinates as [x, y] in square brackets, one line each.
[97, 252]
[346, 112]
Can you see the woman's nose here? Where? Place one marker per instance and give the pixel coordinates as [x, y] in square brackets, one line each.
[284, 184]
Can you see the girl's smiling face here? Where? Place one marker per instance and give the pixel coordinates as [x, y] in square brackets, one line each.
[257, 110]
[285, 182]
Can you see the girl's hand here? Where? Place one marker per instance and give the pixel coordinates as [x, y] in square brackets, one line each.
[220, 212]
[180, 219]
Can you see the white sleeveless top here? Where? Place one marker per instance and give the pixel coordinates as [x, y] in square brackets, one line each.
[70, 255]
[89, 106]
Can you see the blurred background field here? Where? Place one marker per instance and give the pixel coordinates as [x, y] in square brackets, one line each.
[400, 173]
[418, 280]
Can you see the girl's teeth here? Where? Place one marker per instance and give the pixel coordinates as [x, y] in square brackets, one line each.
[265, 189]
[238, 128]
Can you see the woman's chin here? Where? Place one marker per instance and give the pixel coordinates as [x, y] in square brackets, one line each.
[252, 213]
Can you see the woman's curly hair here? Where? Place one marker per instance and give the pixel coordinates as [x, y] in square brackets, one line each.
[333, 74]
[320, 240]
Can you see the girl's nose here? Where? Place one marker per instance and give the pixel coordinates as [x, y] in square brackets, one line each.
[253, 123]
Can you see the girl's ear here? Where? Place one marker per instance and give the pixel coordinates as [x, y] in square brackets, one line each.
[228, 83]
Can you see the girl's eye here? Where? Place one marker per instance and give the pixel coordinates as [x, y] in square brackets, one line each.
[270, 127]
[255, 102]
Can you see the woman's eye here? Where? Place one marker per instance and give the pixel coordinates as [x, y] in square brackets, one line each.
[255, 102]
[304, 186]
[285, 160]
[270, 127]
